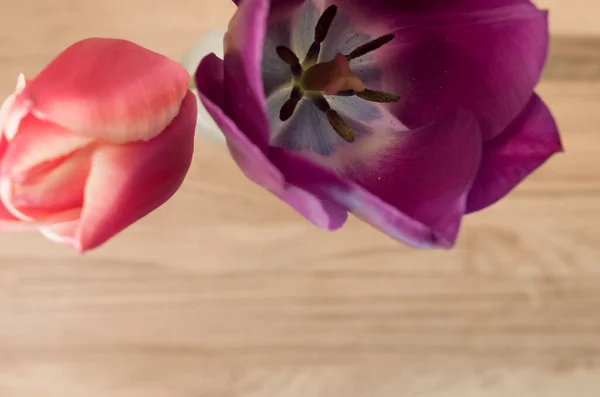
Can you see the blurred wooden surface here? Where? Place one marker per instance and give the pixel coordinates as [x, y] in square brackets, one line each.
[226, 292]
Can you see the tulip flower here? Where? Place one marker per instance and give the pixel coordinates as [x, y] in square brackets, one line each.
[101, 137]
[408, 114]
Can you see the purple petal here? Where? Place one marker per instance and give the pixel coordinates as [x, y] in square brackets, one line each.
[351, 197]
[244, 100]
[320, 212]
[251, 160]
[244, 41]
[407, 12]
[457, 54]
[414, 189]
[526, 144]
[428, 173]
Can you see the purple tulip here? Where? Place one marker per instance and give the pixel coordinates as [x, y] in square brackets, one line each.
[407, 113]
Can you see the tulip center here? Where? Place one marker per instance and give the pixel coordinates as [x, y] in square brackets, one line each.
[312, 79]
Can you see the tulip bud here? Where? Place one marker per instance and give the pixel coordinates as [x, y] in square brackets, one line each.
[97, 140]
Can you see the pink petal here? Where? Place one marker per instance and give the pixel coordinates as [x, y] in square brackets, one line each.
[43, 171]
[36, 143]
[3, 147]
[508, 159]
[129, 181]
[8, 103]
[6, 217]
[63, 233]
[108, 89]
[50, 189]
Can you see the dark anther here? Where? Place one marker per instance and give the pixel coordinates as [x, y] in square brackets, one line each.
[370, 46]
[287, 55]
[320, 102]
[297, 93]
[302, 77]
[340, 126]
[313, 53]
[335, 120]
[324, 23]
[378, 96]
[288, 108]
[321, 30]
[371, 95]
[290, 58]
[346, 93]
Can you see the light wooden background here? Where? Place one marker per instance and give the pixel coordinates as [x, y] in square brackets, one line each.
[226, 292]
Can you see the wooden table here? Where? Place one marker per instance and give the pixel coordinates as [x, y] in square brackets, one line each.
[227, 292]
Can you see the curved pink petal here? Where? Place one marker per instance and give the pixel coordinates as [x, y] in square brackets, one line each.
[43, 171]
[251, 160]
[49, 189]
[3, 147]
[63, 233]
[37, 143]
[108, 89]
[8, 104]
[14, 225]
[526, 144]
[6, 217]
[245, 101]
[9, 221]
[129, 181]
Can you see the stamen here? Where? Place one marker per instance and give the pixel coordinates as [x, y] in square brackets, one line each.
[371, 95]
[288, 108]
[321, 30]
[370, 46]
[313, 54]
[320, 102]
[324, 23]
[378, 96]
[340, 126]
[346, 93]
[334, 77]
[290, 58]
[297, 93]
[335, 120]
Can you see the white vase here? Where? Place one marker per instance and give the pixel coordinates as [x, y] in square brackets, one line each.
[212, 41]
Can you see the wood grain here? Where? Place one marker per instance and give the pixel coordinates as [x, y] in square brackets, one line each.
[227, 292]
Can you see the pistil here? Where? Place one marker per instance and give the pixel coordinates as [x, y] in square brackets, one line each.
[334, 77]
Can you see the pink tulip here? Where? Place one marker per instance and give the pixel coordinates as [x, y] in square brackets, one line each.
[97, 140]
